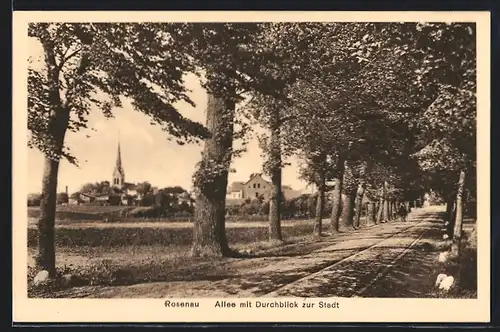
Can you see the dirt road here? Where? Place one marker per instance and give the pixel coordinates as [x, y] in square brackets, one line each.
[357, 263]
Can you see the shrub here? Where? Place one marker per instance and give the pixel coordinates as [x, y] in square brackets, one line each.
[62, 198]
[147, 200]
[34, 199]
[146, 212]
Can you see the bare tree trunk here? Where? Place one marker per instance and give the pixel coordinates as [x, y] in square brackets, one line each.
[359, 204]
[453, 218]
[275, 207]
[337, 196]
[320, 203]
[344, 204]
[386, 216]
[448, 209]
[211, 177]
[465, 197]
[380, 213]
[386, 211]
[347, 215]
[450, 202]
[46, 257]
[276, 176]
[57, 127]
[370, 214]
[457, 231]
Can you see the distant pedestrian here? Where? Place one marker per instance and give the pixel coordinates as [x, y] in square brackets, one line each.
[402, 212]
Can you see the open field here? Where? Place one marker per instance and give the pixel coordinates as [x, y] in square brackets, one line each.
[97, 233]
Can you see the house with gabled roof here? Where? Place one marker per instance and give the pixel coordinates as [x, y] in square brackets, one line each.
[256, 187]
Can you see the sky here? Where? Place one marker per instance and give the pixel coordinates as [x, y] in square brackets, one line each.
[147, 154]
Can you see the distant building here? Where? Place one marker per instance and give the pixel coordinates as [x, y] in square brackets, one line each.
[118, 179]
[123, 188]
[120, 192]
[256, 187]
[236, 190]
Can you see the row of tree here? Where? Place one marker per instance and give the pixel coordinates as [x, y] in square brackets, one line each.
[142, 188]
[35, 199]
[305, 207]
[379, 109]
[371, 107]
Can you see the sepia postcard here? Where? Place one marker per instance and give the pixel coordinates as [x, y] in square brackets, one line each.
[251, 167]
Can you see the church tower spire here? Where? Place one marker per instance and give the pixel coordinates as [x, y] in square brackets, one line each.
[119, 158]
[118, 172]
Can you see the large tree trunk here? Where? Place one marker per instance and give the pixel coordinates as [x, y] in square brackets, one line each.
[457, 230]
[276, 176]
[347, 215]
[359, 205]
[46, 258]
[370, 214]
[465, 197]
[57, 127]
[453, 217]
[320, 203]
[450, 202]
[337, 196]
[447, 215]
[275, 206]
[380, 212]
[211, 178]
[345, 207]
[386, 216]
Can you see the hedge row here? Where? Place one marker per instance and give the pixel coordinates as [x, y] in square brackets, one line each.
[124, 236]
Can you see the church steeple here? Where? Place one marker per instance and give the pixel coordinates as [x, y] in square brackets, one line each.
[118, 173]
[119, 158]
